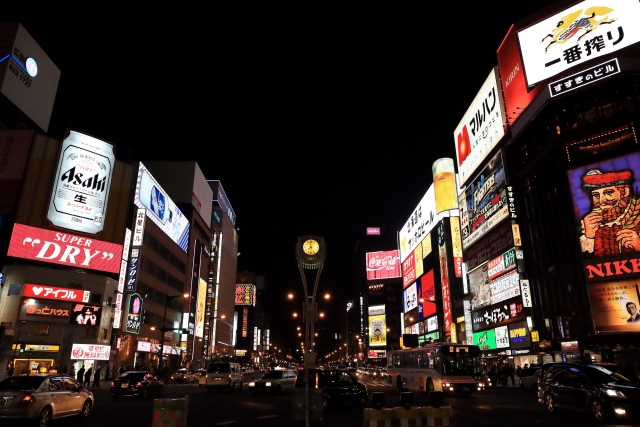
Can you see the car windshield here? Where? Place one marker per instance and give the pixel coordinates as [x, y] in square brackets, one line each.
[602, 375]
[218, 368]
[21, 383]
[274, 375]
[132, 376]
[529, 372]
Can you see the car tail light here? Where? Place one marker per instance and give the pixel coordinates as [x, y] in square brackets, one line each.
[138, 384]
[28, 399]
[112, 384]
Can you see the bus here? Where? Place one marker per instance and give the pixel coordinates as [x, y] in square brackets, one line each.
[445, 367]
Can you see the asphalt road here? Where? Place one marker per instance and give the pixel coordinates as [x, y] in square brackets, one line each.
[507, 407]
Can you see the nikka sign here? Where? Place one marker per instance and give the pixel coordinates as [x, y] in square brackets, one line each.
[38, 244]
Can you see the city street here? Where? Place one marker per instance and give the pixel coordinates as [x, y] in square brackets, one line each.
[496, 407]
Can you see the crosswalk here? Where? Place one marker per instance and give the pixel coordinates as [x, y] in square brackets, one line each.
[375, 382]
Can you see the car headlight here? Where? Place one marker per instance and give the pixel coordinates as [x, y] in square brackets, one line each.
[614, 393]
[252, 384]
[268, 384]
[447, 384]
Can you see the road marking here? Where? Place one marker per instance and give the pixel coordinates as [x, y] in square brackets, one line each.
[267, 416]
[226, 422]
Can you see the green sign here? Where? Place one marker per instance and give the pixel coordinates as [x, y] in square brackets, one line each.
[430, 337]
[486, 340]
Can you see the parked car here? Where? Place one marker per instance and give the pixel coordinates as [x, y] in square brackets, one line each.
[595, 388]
[528, 378]
[136, 383]
[275, 382]
[43, 397]
[183, 376]
[338, 387]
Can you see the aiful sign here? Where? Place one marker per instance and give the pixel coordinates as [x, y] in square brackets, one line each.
[53, 293]
[65, 249]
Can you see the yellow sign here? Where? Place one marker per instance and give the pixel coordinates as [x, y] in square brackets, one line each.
[377, 330]
[460, 319]
[517, 241]
[456, 240]
[426, 246]
[418, 261]
[38, 347]
[534, 336]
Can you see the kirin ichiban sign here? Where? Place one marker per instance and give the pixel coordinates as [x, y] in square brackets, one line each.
[53, 293]
[54, 247]
[481, 128]
[83, 180]
[90, 352]
[382, 265]
[576, 35]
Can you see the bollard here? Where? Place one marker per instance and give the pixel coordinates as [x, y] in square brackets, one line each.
[411, 417]
[169, 413]
[378, 417]
[437, 416]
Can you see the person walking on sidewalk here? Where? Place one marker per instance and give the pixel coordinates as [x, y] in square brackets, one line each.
[96, 378]
[511, 372]
[87, 377]
[80, 375]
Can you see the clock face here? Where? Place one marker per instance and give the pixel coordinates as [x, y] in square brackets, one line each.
[310, 247]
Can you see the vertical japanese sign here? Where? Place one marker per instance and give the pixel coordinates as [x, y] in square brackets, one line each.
[456, 243]
[134, 314]
[526, 293]
[585, 31]
[122, 278]
[444, 275]
[132, 271]
[468, 325]
[138, 228]
[245, 320]
[81, 187]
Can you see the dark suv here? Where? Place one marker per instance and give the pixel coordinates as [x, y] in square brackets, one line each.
[600, 389]
[338, 386]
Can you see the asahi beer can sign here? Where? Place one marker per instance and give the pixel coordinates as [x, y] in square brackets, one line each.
[82, 183]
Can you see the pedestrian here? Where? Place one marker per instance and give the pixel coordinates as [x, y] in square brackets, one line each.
[96, 378]
[87, 377]
[518, 371]
[121, 370]
[511, 372]
[107, 373]
[503, 375]
[80, 376]
[64, 369]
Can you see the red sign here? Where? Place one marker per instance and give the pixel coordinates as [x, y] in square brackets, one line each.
[381, 265]
[65, 249]
[408, 271]
[373, 231]
[58, 294]
[514, 85]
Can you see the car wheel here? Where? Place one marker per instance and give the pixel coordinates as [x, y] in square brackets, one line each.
[44, 417]
[362, 400]
[86, 409]
[549, 403]
[143, 394]
[597, 410]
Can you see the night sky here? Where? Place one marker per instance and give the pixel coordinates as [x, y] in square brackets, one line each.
[316, 121]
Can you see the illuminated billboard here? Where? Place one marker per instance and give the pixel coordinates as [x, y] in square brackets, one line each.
[44, 310]
[582, 32]
[220, 197]
[410, 297]
[408, 271]
[605, 206]
[377, 330]
[519, 335]
[615, 305]
[481, 128]
[426, 291]
[38, 244]
[420, 223]
[134, 314]
[486, 340]
[483, 204]
[245, 295]
[447, 313]
[90, 352]
[55, 293]
[161, 209]
[200, 307]
[501, 313]
[82, 183]
[382, 265]
[85, 314]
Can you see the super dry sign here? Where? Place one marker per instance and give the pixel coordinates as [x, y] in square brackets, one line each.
[66, 249]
